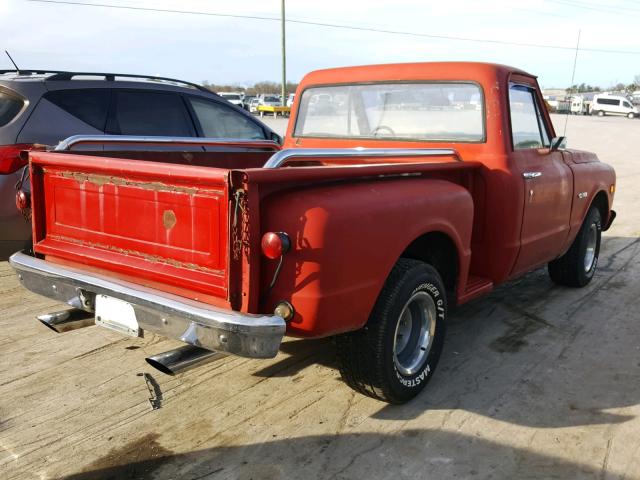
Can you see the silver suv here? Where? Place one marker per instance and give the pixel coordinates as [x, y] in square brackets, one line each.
[45, 107]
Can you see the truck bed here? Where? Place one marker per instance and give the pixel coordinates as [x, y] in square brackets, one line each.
[149, 217]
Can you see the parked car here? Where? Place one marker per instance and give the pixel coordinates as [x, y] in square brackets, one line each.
[246, 101]
[613, 105]
[234, 98]
[290, 98]
[370, 222]
[42, 107]
[253, 105]
[270, 100]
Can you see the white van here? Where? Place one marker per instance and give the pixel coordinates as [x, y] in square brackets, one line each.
[580, 106]
[613, 105]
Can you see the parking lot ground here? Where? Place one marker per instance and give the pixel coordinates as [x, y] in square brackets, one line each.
[536, 381]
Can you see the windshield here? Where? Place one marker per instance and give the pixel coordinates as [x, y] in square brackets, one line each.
[415, 111]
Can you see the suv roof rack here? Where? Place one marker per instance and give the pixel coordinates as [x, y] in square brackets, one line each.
[58, 75]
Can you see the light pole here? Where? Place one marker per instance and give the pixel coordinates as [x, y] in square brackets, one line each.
[284, 58]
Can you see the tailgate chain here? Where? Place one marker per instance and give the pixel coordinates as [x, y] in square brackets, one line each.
[26, 213]
[240, 238]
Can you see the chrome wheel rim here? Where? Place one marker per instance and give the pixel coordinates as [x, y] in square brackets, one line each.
[414, 333]
[590, 254]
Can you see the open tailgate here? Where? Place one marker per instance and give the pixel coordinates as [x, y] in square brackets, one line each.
[164, 225]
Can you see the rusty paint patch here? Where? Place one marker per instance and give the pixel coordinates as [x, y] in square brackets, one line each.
[169, 219]
[135, 253]
[101, 180]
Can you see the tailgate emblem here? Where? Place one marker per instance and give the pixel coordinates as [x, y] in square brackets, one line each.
[169, 219]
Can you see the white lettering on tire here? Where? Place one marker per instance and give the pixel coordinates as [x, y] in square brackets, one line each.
[422, 376]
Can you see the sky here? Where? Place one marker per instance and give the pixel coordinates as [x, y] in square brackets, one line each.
[242, 51]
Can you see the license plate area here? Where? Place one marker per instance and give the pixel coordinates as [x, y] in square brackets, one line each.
[117, 315]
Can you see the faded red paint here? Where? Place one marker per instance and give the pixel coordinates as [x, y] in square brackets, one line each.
[348, 225]
[113, 214]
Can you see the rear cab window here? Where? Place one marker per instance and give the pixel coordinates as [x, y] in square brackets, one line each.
[137, 112]
[425, 111]
[10, 106]
[528, 128]
[219, 121]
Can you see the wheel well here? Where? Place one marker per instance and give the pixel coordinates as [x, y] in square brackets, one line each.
[438, 250]
[601, 201]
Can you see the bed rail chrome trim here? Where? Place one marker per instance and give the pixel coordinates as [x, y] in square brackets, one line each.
[67, 143]
[172, 316]
[281, 157]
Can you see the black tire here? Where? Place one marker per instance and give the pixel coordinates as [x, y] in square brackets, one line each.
[574, 268]
[367, 359]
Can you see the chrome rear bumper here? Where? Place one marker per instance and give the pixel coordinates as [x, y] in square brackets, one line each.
[192, 322]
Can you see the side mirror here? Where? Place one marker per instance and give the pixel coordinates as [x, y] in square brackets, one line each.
[558, 143]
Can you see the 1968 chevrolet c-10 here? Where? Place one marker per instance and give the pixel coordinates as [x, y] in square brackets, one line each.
[400, 190]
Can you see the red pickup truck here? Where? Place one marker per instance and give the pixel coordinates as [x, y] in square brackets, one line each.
[400, 190]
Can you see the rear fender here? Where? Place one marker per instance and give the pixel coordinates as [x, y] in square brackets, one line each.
[347, 238]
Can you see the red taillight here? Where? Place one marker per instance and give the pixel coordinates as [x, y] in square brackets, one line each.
[275, 244]
[10, 160]
[23, 200]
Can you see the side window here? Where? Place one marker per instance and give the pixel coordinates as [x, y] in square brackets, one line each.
[527, 123]
[219, 121]
[150, 113]
[89, 105]
[608, 101]
[627, 104]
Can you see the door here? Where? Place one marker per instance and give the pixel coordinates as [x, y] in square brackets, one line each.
[547, 181]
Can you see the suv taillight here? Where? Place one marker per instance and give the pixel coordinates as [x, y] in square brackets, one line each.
[10, 160]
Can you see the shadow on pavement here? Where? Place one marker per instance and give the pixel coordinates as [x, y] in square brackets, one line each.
[368, 455]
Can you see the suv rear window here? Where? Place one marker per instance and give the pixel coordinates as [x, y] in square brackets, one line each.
[89, 105]
[9, 108]
[150, 113]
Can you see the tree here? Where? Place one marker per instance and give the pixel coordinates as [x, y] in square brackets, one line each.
[582, 88]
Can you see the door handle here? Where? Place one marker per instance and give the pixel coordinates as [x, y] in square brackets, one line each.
[532, 174]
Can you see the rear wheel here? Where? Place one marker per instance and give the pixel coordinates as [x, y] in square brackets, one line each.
[577, 267]
[393, 357]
